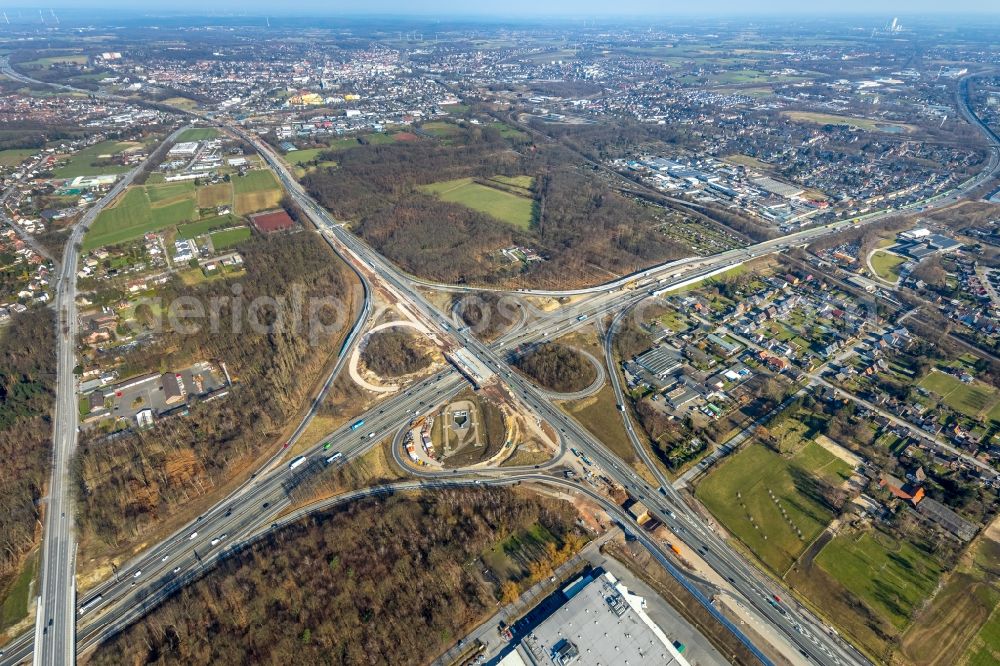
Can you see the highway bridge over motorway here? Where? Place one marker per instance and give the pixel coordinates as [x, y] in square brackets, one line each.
[255, 506]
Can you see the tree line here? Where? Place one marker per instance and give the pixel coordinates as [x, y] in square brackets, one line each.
[27, 381]
[379, 581]
[129, 482]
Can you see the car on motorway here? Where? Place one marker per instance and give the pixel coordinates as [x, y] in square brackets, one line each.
[177, 569]
[137, 573]
[192, 536]
[165, 557]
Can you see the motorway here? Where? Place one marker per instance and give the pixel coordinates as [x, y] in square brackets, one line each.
[185, 554]
[666, 505]
[55, 623]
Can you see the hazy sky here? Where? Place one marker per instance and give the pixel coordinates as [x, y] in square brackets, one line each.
[513, 8]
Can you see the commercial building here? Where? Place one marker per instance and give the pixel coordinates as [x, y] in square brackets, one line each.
[600, 624]
[660, 361]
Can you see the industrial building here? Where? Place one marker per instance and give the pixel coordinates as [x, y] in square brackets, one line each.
[601, 623]
[660, 361]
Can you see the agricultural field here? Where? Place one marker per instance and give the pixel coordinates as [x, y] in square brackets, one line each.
[886, 265]
[154, 207]
[227, 238]
[963, 615]
[867, 124]
[976, 400]
[212, 196]
[87, 162]
[169, 192]
[502, 204]
[892, 577]
[749, 492]
[257, 190]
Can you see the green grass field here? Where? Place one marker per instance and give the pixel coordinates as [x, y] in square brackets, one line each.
[169, 191]
[887, 265]
[14, 156]
[738, 490]
[57, 60]
[969, 399]
[299, 157]
[258, 180]
[508, 132]
[893, 577]
[225, 239]
[15, 605]
[198, 134]
[985, 647]
[504, 206]
[132, 216]
[201, 227]
[82, 163]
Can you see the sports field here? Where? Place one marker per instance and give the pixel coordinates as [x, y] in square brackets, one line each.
[974, 400]
[441, 129]
[502, 205]
[229, 237]
[886, 265]
[892, 577]
[737, 494]
[198, 134]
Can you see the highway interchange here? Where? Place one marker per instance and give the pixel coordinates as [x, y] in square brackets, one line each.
[255, 506]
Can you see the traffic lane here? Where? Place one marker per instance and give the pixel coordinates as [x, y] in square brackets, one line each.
[400, 406]
[651, 500]
[266, 498]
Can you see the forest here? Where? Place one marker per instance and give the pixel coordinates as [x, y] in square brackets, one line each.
[394, 352]
[130, 481]
[584, 230]
[487, 313]
[380, 581]
[557, 368]
[27, 380]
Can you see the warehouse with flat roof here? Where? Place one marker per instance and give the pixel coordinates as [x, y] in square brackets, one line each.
[601, 624]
